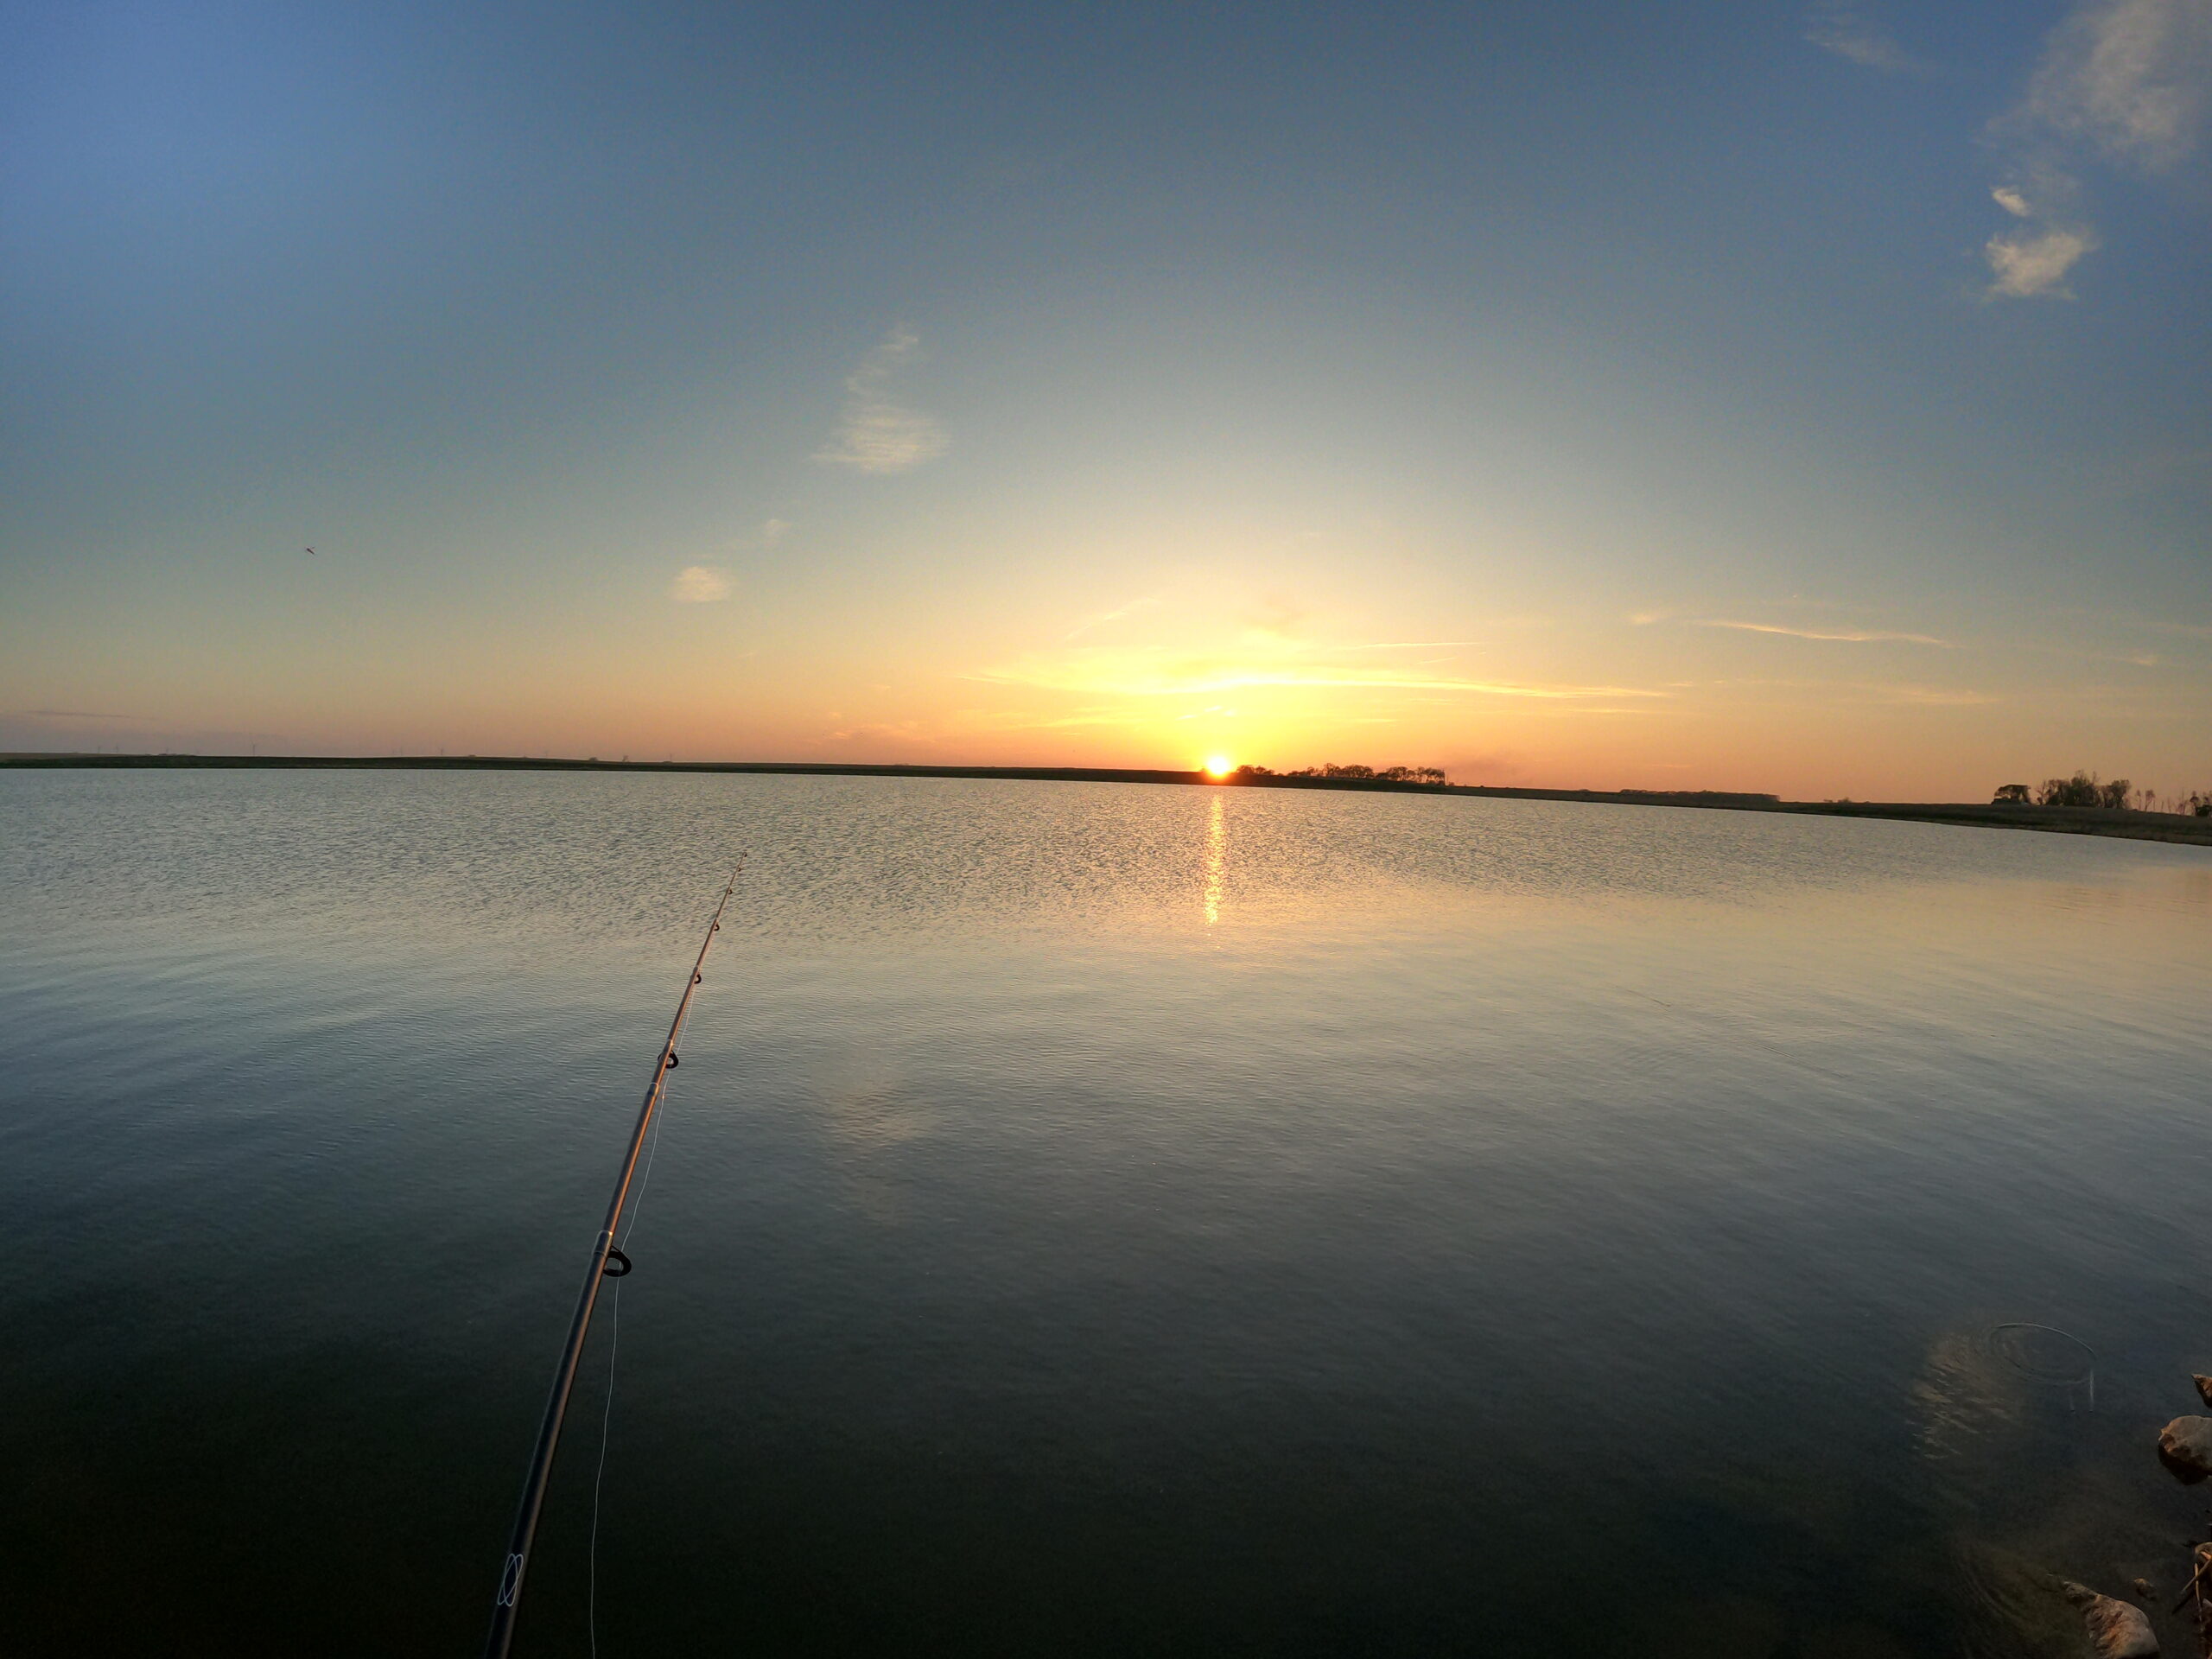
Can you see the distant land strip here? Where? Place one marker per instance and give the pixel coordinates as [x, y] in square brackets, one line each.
[2061, 820]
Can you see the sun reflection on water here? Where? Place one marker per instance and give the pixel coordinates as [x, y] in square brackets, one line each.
[1216, 856]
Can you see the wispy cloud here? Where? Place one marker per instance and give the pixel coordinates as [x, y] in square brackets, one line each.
[899, 732]
[2032, 260]
[768, 534]
[2126, 82]
[1104, 618]
[1934, 697]
[1158, 671]
[1077, 720]
[2132, 78]
[1846, 30]
[2033, 264]
[699, 584]
[65, 714]
[879, 432]
[1414, 644]
[1852, 636]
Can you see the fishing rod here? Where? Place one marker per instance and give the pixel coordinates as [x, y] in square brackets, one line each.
[607, 1262]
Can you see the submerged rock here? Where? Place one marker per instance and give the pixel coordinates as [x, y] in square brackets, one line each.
[2014, 1608]
[2186, 1446]
[2116, 1630]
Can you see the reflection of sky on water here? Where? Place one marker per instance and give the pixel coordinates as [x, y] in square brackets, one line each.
[1317, 1264]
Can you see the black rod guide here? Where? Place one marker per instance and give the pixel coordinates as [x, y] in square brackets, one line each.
[564, 1375]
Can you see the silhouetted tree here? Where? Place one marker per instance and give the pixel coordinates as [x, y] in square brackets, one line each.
[2080, 790]
[2011, 795]
[1389, 774]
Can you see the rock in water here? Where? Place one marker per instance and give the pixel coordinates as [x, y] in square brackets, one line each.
[2116, 1630]
[2204, 1389]
[2186, 1445]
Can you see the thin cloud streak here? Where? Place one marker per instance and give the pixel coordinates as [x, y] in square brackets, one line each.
[1414, 645]
[1933, 696]
[1105, 617]
[1852, 636]
[67, 714]
[1155, 673]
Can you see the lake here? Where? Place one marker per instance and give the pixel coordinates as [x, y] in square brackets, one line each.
[1089, 1219]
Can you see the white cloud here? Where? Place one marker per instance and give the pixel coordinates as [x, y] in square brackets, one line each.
[2133, 77]
[2033, 264]
[1834, 26]
[878, 433]
[699, 584]
[774, 531]
[2128, 80]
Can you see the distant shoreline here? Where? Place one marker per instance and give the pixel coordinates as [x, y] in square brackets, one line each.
[2058, 820]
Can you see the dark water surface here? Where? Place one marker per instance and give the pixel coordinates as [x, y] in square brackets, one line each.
[1091, 1219]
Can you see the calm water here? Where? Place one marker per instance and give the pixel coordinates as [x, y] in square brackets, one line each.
[1089, 1219]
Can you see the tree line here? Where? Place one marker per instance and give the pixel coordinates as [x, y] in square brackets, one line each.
[1387, 774]
[2085, 789]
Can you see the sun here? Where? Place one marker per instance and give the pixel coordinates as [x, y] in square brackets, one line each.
[1219, 765]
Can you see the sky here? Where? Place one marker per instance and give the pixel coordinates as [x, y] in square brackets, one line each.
[1810, 398]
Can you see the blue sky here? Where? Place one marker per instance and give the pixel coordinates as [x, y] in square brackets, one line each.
[1799, 397]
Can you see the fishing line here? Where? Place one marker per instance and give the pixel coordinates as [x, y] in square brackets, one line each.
[599, 1480]
[614, 1347]
[607, 1260]
[2009, 1345]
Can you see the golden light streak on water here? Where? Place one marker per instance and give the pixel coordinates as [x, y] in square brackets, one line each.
[1216, 856]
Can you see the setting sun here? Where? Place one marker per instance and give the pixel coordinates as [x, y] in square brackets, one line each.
[1219, 765]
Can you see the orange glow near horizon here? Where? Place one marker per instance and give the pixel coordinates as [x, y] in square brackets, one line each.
[1297, 672]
